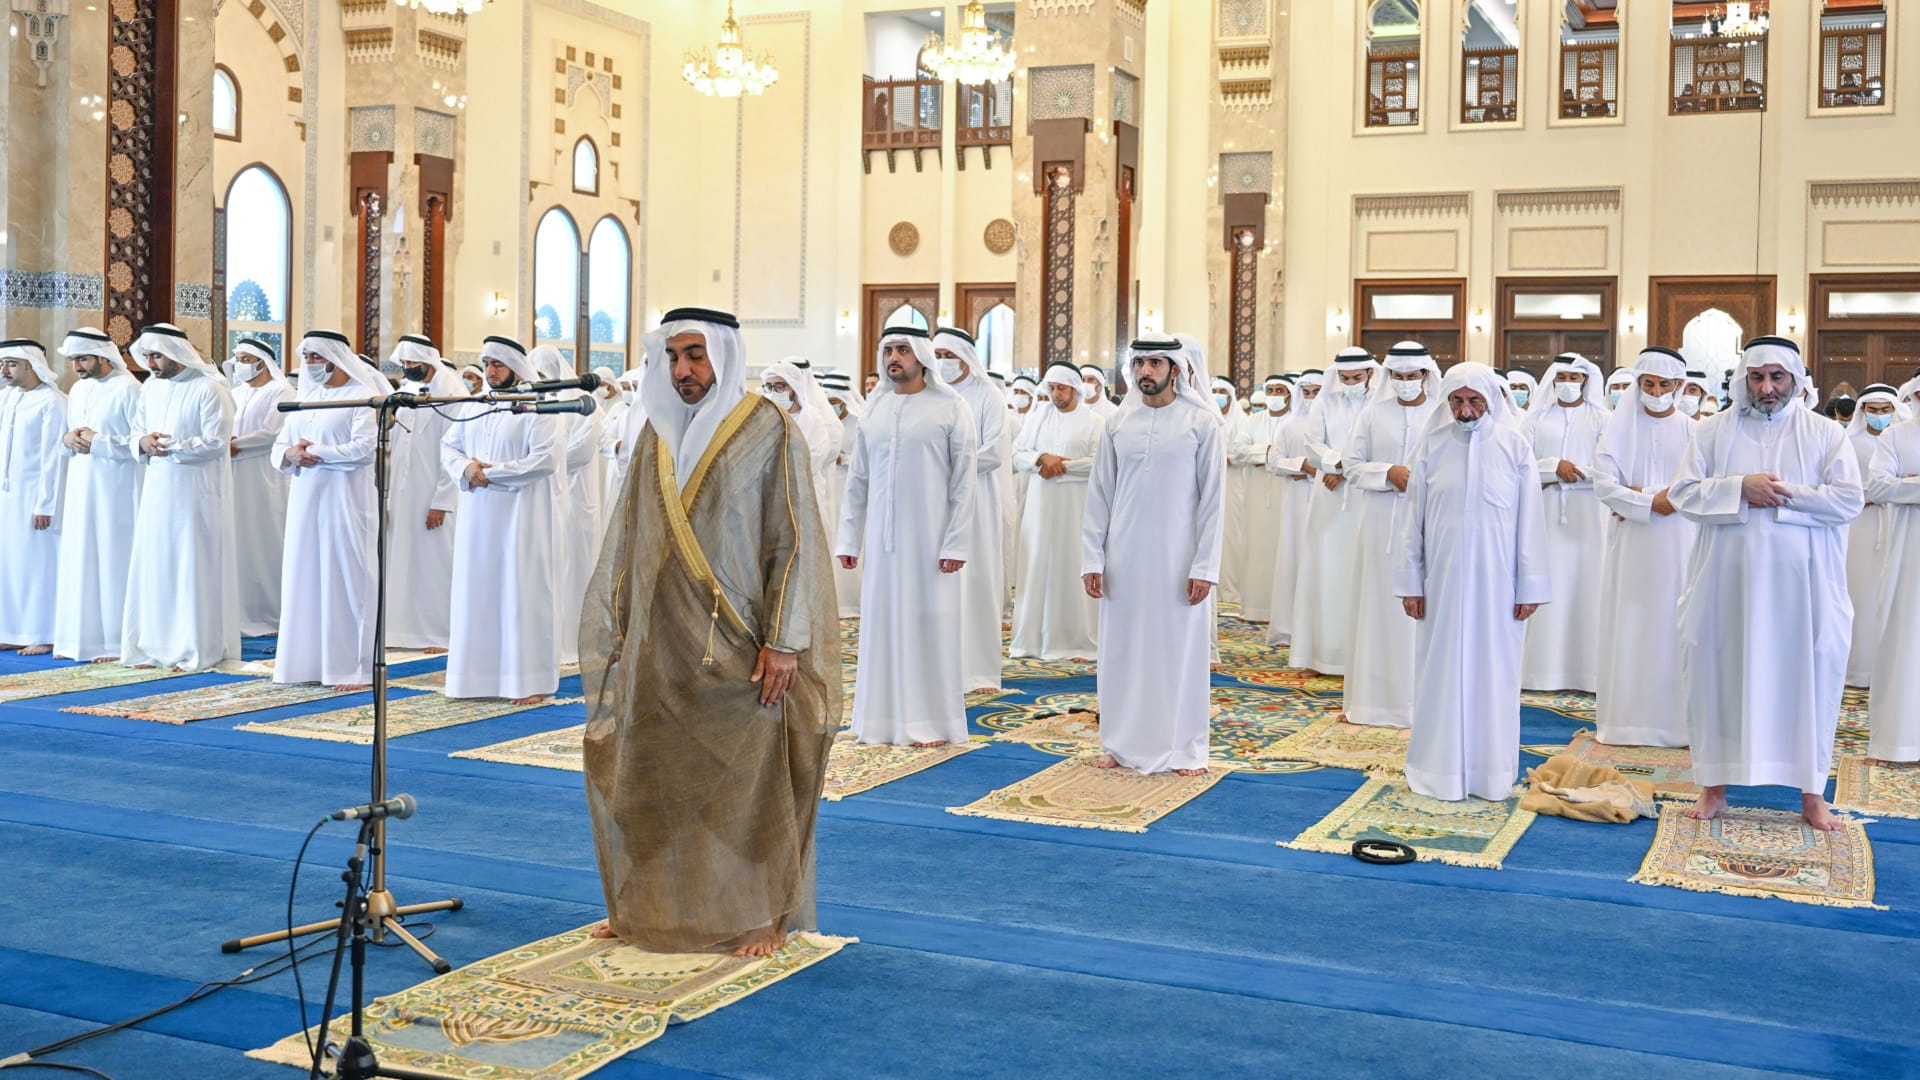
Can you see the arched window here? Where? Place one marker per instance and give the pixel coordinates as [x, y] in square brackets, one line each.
[609, 286]
[226, 104]
[906, 315]
[1393, 64]
[556, 283]
[259, 226]
[995, 336]
[586, 167]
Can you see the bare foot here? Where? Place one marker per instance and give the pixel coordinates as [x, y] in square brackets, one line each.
[603, 931]
[353, 688]
[435, 652]
[929, 745]
[762, 942]
[1712, 801]
[1814, 809]
[1309, 673]
[1343, 719]
[36, 650]
[534, 700]
[145, 667]
[1105, 761]
[1191, 772]
[107, 660]
[1080, 659]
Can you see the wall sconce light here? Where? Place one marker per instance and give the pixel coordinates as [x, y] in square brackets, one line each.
[844, 323]
[1630, 321]
[497, 304]
[1149, 322]
[1791, 322]
[1337, 322]
[946, 316]
[1478, 322]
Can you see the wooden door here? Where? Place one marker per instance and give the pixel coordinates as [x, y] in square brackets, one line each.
[1537, 319]
[1866, 343]
[1442, 328]
[1677, 300]
[882, 302]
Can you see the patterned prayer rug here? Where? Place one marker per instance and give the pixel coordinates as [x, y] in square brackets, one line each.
[854, 767]
[74, 679]
[208, 702]
[557, 1009]
[1752, 851]
[1850, 737]
[1272, 671]
[436, 681]
[1878, 790]
[1332, 742]
[1669, 770]
[562, 749]
[409, 715]
[1076, 795]
[1471, 832]
[1571, 704]
[1246, 724]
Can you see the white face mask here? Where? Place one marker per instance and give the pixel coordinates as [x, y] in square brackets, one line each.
[1353, 390]
[1613, 396]
[782, 398]
[1276, 405]
[246, 372]
[1656, 403]
[1475, 424]
[317, 374]
[1089, 391]
[1023, 402]
[1220, 400]
[949, 368]
[1709, 406]
[1569, 392]
[1689, 404]
[1409, 391]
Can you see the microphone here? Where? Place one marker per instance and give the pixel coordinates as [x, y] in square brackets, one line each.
[548, 386]
[582, 405]
[400, 806]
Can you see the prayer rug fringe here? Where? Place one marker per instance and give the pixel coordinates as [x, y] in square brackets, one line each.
[854, 767]
[1758, 852]
[1680, 881]
[406, 716]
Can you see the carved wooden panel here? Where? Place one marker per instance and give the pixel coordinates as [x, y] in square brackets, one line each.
[1676, 300]
[141, 40]
[1245, 333]
[1056, 323]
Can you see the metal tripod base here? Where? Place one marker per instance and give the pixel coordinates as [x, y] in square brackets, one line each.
[386, 916]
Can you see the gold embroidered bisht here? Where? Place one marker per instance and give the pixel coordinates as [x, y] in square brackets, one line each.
[703, 802]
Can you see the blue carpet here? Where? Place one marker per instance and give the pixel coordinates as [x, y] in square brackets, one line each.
[1199, 948]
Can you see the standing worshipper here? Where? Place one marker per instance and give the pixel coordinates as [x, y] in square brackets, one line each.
[421, 499]
[1473, 570]
[787, 386]
[258, 387]
[1619, 384]
[711, 662]
[506, 575]
[327, 587]
[33, 483]
[1877, 409]
[850, 406]
[1644, 570]
[1266, 495]
[1020, 396]
[1894, 487]
[1323, 598]
[1565, 423]
[1288, 459]
[1765, 623]
[1521, 386]
[1380, 654]
[613, 405]
[909, 512]
[1694, 393]
[1053, 618]
[103, 492]
[182, 606]
[983, 581]
[1151, 557]
[1093, 382]
[1244, 456]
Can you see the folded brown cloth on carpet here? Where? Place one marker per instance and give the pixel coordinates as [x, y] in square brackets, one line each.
[1569, 787]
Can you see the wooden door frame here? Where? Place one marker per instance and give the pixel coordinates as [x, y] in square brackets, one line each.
[870, 327]
[1658, 333]
[1818, 322]
[966, 293]
[1362, 287]
[1505, 288]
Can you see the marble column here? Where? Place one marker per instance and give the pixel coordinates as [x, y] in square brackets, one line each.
[1248, 146]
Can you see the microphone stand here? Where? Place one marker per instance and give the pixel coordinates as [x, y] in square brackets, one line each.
[382, 913]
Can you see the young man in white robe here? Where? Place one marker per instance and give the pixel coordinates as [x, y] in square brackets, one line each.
[1266, 495]
[1244, 457]
[1694, 393]
[103, 493]
[1893, 485]
[1521, 386]
[505, 642]
[1473, 570]
[327, 583]
[906, 525]
[983, 581]
[259, 385]
[1289, 460]
[1644, 569]
[849, 406]
[1323, 598]
[612, 406]
[421, 502]
[1151, 557]
[786, 386]
[1093, 382]
[1053, 618]
[1565, 423]
[1619, 385]
[1379, 460]
[182, 608]
[1765, 623]
[1877, 409]
[33, 485]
